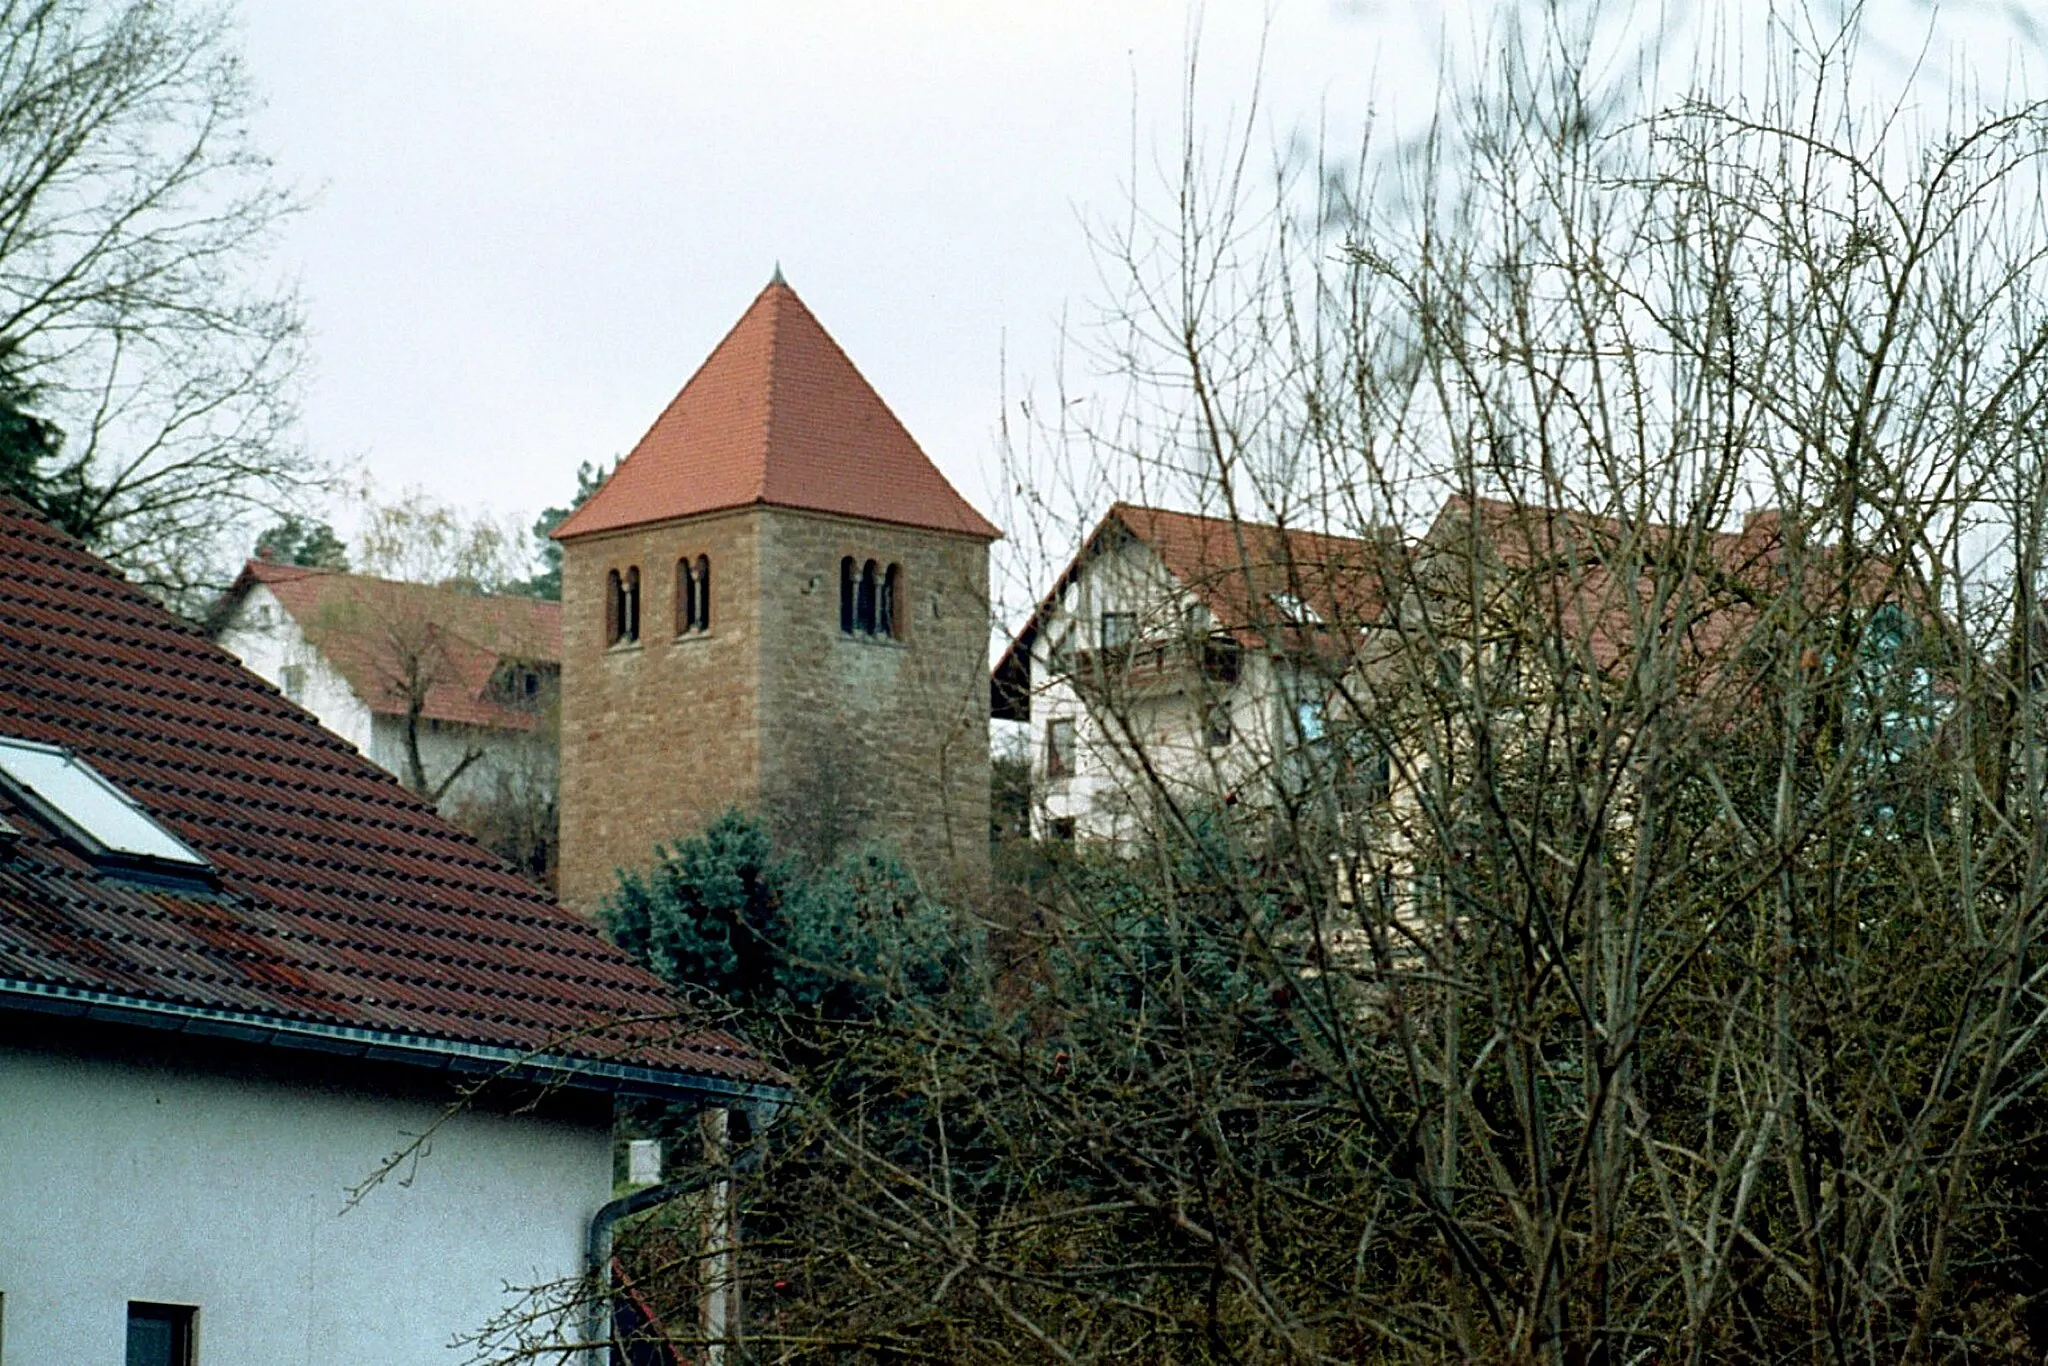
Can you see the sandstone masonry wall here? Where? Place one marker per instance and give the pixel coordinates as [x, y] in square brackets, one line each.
[833, 739]
[867, 736]
[658, 737]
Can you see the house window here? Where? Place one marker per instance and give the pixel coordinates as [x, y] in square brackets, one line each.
[1059, 747]
[622, 607]
[1063, 829]
[160, 1334]
[693, 595]
[293, 679]
[1216, 723]
[109, 825]
[1118, 628]
[1309, 719]
[1059, 656]
[1450, 668]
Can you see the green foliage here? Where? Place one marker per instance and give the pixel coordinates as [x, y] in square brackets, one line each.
[708, 915]
[548, 582]
[722, 912]
[29, 447]
[302, 541]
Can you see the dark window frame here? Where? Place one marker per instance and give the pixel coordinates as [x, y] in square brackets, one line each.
[1217, 730]
[889, 618]
[180, 1323]
[868, 590]
[1062, 760]
[693, 595]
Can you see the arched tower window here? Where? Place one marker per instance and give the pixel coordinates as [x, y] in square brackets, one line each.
[629, 606]
[614, 607]
[864, 605]
[846, 576]
[888, 613]
[693, 594]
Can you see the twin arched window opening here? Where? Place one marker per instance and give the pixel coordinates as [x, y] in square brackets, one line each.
[622, 607]
[870, 598]
[693, 595]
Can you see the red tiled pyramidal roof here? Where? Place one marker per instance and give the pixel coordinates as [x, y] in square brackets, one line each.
[778, 415]
[345, 910]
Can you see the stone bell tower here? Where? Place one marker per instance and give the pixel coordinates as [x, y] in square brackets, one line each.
[778, 603]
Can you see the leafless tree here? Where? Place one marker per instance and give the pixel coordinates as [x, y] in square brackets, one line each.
[137, 315]
[1677, 994]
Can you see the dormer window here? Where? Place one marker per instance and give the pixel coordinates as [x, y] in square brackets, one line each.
[90, 813]
[1294, 610]
[520, 683]
[693, 595]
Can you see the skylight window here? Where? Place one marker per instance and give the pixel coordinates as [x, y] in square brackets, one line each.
[1296, 611]
[92, 812]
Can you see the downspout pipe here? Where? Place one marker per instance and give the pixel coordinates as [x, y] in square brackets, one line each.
[597, 1320]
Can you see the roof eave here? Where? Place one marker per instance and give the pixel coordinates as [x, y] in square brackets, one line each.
[488, 1061]
[986, 533]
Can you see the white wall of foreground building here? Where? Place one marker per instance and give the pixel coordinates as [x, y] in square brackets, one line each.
[268, 642]
[163, 1178]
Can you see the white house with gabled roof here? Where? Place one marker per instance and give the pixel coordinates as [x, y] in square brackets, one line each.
[1183, 654]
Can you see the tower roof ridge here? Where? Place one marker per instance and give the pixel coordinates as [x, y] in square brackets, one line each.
[778, 415]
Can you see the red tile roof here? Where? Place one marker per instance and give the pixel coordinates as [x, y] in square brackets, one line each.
[345, 904]
[388, 638]
[1239, 569]
[777, 416]
[1593, 575]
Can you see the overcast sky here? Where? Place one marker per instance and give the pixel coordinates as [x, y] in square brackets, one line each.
[532, 219]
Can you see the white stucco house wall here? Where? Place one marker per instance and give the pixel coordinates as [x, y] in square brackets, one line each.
[241, 971]
[217, 1180]
[1181, 652]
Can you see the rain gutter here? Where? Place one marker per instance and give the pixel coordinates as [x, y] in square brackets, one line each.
[412, 1050]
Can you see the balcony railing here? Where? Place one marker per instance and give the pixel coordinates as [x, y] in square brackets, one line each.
[1147, 666]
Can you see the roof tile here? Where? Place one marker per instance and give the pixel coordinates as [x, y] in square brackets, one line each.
[345, 900]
